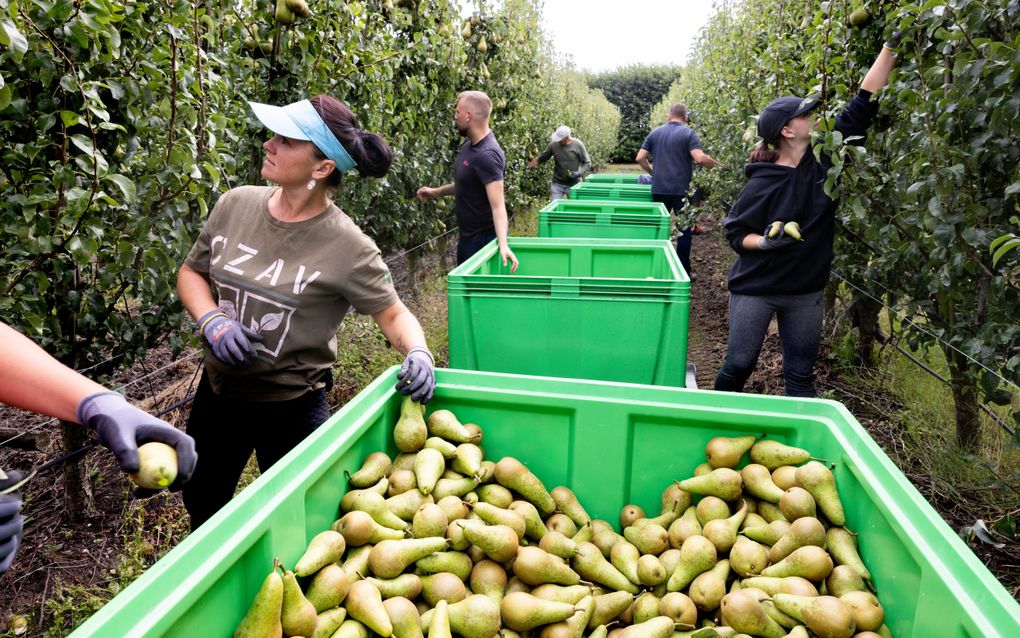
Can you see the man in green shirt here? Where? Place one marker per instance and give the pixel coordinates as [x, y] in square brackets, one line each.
[572, 161]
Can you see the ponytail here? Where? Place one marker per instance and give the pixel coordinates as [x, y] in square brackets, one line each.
[369, 151]
[763, 153]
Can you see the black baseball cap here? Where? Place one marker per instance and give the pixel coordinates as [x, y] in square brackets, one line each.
[780, 111]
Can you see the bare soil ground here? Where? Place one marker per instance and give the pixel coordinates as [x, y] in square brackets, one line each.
[121, 536]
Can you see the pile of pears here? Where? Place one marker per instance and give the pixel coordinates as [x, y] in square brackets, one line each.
[439, 541]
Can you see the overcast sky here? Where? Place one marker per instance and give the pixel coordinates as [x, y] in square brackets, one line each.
[600, 35]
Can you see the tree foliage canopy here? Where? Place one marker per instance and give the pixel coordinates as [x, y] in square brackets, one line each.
[634, 90]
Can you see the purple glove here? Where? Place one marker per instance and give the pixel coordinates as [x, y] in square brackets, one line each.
[417, 376]
[122, 427]
[230, 341]
[11, 522]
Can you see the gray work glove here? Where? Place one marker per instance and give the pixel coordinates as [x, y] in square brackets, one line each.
[11, 522]
[230, 340]
[417, 375]
[576, 174]
[121, 427]
[775, 236]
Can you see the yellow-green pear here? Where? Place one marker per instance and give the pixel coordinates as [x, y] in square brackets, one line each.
[439, 627]
[429, 520]
[534, 526]
[558, 545]
[488, 578]
[773, 454]
[444, 424]
[498, 542]
[389, 559]
[359, 528]
[630, 513]
[574, 626]
[784, 476]
[263, 617]
[562, 593]
[726, 451]
[697, 555]
[826, 616]
[512, 474]
[608, 607]
[650, 571]
[535, 566]
[364, 604]
[328, 622]
[328, 588]
[356, 562]
[624, 557]
[758, 483]
[746, 614]
[843, 549]
[747, 557]
[646, 607]
[868, 612]
[592, 565]
[499, 516]
[401, 481]
[649, 538]
[810, 562]
[842, 580]
[523, 612]
[567, 503]
[495, 494]
[375, 506]
[710, 508]
[772, 585]
[723, 531]
[453, 506]
[403, 586]
[468, 459]
[410, 432]
[351, 628]
[658, 627]
[406, 504]
[684, 527]
[708, 588]
[803, 532]
[797, 502]
[458, 487]
[701, 469]
[476, 616]
[404, 617]
[443, 586]
[821, 484]
[325, 548]
[429, 465]
[769, 533]
[441, 445]
[297, 615]
[457, 563]
[561, 523]
[374, 467]
[679, 607]
[721, 482]
[771, 512]
[380, 488]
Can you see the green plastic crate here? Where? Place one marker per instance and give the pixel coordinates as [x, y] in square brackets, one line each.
[627, 192]
[609, 219]
[612, 444]
[612, 178]
[607, 309]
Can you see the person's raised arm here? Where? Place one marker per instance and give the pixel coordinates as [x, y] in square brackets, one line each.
[878, 75]
[426, 193]
[497, 202]
[416, 377]
[643, 162]
[704, 159]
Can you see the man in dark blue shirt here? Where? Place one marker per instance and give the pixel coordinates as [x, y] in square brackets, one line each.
[479, 201]
[672, 148]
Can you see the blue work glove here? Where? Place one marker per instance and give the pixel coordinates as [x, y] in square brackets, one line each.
[576, 174]
[122, 427]
[778, 239]
[893, 40]
[11, 522]
[417, 376]
[230, 340]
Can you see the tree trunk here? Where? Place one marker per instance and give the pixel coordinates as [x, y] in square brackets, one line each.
[864, 316]
[412, 272]
[829, 306]
[965, 397]
[78, 503]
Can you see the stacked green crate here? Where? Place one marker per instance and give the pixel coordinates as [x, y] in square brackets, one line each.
[612, 178]
[627, 192]
[608, 219]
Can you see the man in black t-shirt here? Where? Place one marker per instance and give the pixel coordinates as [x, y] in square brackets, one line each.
[477, 182]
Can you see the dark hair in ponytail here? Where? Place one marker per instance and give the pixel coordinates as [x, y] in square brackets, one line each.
[763, 153]
[369, 150]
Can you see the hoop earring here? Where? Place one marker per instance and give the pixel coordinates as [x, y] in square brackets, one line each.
[311, 184]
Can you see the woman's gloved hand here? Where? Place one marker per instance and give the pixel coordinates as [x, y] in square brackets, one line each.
[11, 522]
[230, 340]
[417, 375]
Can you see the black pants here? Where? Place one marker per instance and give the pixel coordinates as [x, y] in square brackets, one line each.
[674, 204]
[468, 246]
[226, 431]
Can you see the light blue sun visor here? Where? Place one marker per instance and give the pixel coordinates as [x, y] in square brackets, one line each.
[300, 121]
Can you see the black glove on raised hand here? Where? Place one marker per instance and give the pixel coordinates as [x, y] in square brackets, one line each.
[230, 340]
[775, 236]
[417, 375]
[122, 427]
[11, 522]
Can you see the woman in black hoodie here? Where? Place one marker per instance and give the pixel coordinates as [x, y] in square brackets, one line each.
[783, 272]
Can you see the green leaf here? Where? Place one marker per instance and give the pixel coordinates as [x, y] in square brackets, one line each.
[14, 40]
[125, 185]
[83, 143]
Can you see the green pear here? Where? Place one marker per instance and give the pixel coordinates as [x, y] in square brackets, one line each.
[403, 586]
[404, 617]
[297, 615]
[458, 487]
[722, 482]
[328, 588]
[380, 487]
[453, 506]
[592, 565]
[359, 528]
[758, 483]
[803, 531]
[325, 547]
[429, 465]
[403, 461]
[488, 578]
[608, 607]
[516, 584]
[723, 451]
[646, 607]
[351, 628]
[375, 506]
[747, 557]
[601, 631]
[752, 520]
[842, 580]
[843, 549]
[567, 503]
[441, 445]
[410, 432]
[784, 620]
[800, 631]
[364, 604]
[561, 593]
[723, 531]
[389, 559]
[746, 614]
[810, 562]
[658, 627]
[534, 526]
[499, 542]
[458, 563]
[650, 571]
[821, 484]
[356, 562]
[649, 538]
[679, 607]
[772, 585]
[429, 520]
[443, 586]
[773, 454]
[374, 467]
[512, 474]
[561, 523]
[444, 424]
[401, 481]
[558, 545]
[496, 494]
[670, 559]
[797, 502]
[868, 612]
[630, 513]
[585, 533]
[697, 555]
[406, 504]
[769, 533]
[771, 512]
[499, 516]
[476, 616]
[784, 477]
[468, 459]
[535, 566]
[328, 622]
[684, 527]
[701, 469]
[604, 537]
[523, 612]
[826, 616]
[439, 627]
[263, 617]
[675, 500]
[708, 588]
[710, 508]
[624, 557]
[572, 627]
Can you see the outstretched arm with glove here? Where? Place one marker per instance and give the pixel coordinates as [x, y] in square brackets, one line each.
[417, 376]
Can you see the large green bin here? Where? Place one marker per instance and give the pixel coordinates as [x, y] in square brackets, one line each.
[612, 178]
[612, 444]
[607, 309]
[608, 219]
[627, 192]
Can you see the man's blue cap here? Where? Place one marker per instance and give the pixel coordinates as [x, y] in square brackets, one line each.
[300, 121]
[782, 110]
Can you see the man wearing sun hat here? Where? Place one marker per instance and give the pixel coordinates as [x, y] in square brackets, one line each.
[571, 161]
